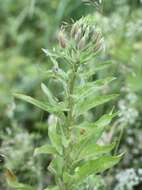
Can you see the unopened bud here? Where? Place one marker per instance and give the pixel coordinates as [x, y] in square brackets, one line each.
[82, 43]
[98, 45]
[78, 35]
[87, 32]
[96, 37]
[74, 29]
[84, 27]
[62, 40]
[97, 41]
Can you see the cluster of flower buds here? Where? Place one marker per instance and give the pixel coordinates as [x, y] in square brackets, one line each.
[82, 35]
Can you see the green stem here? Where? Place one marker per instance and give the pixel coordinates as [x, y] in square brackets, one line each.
[71, 84]
[70, 100]
[70, 119]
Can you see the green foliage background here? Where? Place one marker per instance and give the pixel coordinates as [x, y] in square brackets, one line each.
[29, 25]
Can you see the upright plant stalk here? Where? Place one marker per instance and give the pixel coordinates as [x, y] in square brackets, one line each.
[70, 116]
[76, 153]
[70, 99]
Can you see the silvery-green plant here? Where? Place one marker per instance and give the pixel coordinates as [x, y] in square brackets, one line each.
[76, 153]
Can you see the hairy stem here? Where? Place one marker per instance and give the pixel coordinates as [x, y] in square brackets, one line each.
[70, 100]
[70, 120]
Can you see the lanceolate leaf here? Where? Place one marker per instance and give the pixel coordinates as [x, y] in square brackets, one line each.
[91, 137]
[93, 150]
[65, 141]
[103, 65]
[45, 149]
[96, 166]
[92, 101]
[42, 105]
[51, 56]
[93, 134]
[98, 67]
[54, 137]
[56, 166]
[91, 87]
[105, 119]
[50, 97]
[101, 122]
[68, 179]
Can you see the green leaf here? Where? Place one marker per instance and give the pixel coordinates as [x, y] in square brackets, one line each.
[91, 71]
[50, 97]
[65, 141]
[68, 179]
[92, 131]
[91, 136]
[42, 105]
[56, 166]
[103, 65]
[90, 102]
[96, 166]
[105, 119]
[54, 136]
[45, 149]
[51, 56]
[91, 87]
[93, 150]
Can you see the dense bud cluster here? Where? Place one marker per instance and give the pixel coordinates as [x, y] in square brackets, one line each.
[82, 35]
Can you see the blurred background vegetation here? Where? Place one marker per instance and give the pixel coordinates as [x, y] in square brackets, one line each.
[29, 25]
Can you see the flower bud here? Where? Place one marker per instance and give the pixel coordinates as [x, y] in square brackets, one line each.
[97, 47]
[98, 44]
[97, 41]
[84, 27]
[62, 40]
[96, 37]
[74, 29]
[82, 43]
[87, 32]
[78, 35]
